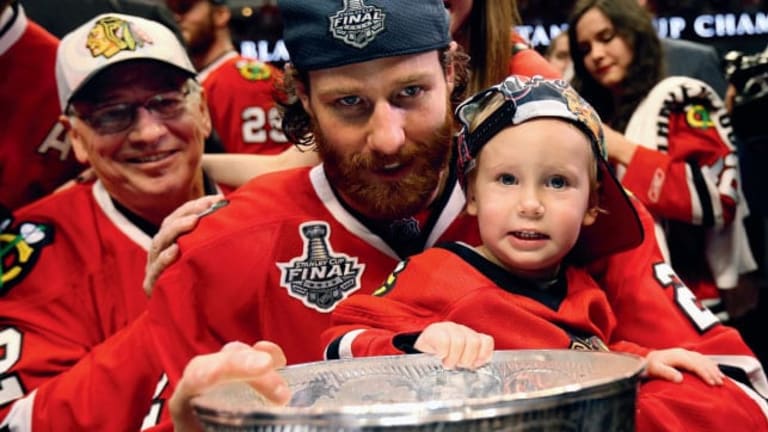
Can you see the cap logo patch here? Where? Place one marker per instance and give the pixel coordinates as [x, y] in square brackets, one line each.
[357, 24]
[111, 35]
[585, 115]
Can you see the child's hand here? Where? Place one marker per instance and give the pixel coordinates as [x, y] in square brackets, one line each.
[456, 345]
[665, 364]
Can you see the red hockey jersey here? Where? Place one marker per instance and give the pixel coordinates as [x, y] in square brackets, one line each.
[272, 265]
[34, 156]
[72, 271]
[685, 170]
[456, 284]
[243, 111]
[277, 261]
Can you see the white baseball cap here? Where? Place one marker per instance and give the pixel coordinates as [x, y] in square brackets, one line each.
[109, 39]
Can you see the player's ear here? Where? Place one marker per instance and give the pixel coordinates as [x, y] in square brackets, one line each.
[471, 206]
[205, 114]
[299, 87]
[450, 70]
[75, 139]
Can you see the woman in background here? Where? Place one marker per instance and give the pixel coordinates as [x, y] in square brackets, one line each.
[670, 141]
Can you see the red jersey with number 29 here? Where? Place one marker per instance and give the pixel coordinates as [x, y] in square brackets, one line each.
[240, 97]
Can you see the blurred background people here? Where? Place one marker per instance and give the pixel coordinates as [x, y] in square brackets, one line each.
[559, 55]
[691, 59]
[35, 158]
[240, 90]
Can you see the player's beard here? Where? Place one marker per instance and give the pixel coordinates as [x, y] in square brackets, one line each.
[351, 174]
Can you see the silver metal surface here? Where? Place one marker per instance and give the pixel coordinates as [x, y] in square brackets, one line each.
[520, 390]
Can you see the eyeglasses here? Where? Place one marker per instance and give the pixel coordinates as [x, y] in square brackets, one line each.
[119, 117]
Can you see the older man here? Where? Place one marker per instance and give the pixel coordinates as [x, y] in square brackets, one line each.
[73, 262]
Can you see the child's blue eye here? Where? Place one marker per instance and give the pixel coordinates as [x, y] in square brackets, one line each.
[557, 182]
[507, 179]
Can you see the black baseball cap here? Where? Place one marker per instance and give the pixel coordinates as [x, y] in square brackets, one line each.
[321, 34]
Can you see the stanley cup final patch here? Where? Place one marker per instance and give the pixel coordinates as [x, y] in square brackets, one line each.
[320, 278]
[357, 24]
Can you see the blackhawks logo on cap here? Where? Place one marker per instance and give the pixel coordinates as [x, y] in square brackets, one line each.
[357, 24]
[586, 115]
[111, 34]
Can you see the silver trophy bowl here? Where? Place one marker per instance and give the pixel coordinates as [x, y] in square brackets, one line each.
[519, 390]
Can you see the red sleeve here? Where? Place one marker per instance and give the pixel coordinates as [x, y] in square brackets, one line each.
[527, 61]
[693, 405]
[189, 316]
[655, 309]
[641, 287]
[366, 325]
[120, 372]
[694, 178]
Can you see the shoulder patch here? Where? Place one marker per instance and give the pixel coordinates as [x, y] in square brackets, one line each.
[253, 70]
[320, 278]
[697, 116]
[19, 250]
[389, 284]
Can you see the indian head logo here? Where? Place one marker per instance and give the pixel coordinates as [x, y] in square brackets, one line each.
[357, 24]
[19, 250]
[586, 115]
[320, 278]
[111, 34]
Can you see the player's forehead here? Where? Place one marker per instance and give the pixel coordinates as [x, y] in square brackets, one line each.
[384, 73]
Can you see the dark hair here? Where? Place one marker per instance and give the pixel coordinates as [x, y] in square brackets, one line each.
[297, 124]
[633, 24]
